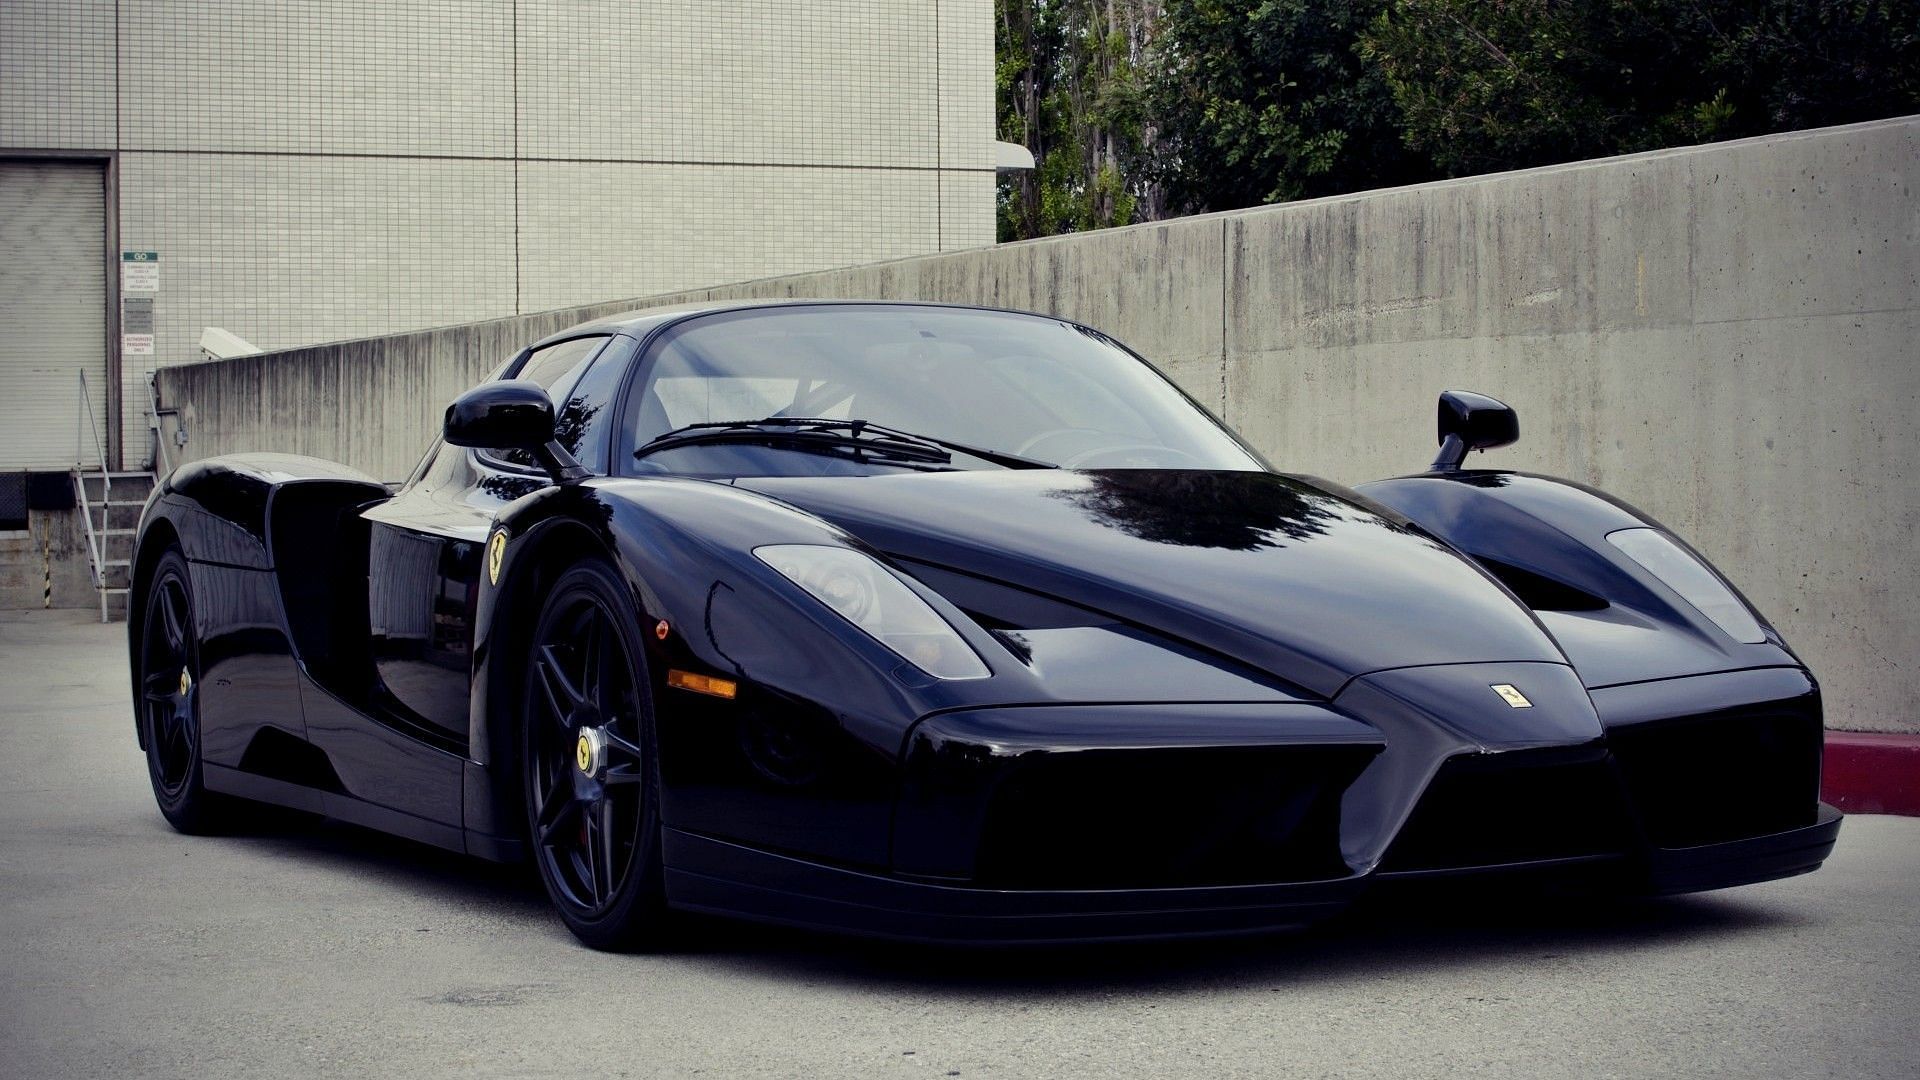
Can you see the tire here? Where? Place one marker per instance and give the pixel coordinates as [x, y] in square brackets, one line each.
[589, 766]
[168, 709]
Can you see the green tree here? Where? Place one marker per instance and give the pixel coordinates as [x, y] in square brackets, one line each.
[1259, 101]
[1068, 82]
[1136, 109]
[1494, 84]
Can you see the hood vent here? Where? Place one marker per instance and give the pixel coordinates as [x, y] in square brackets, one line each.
[1538, 592]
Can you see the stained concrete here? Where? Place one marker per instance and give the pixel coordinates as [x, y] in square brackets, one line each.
[49, 556]
[320, 950]
[1720, 335]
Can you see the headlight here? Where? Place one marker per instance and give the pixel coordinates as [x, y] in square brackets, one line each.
[1686, 575]
[870, 597]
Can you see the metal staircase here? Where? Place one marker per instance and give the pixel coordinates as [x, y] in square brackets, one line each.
[109, 502]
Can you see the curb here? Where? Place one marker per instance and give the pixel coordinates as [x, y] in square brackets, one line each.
[1870, 773]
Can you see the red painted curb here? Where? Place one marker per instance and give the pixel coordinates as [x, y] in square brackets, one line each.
[1871, 773]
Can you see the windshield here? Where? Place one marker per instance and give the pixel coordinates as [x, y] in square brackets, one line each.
[1020, 385]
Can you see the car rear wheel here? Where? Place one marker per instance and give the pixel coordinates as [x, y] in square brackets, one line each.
[169, 705]
[591, 774]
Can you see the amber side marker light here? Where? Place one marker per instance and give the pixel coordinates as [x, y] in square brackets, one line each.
[702, 684]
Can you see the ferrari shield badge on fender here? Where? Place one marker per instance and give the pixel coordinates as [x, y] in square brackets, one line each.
[496, 549]
[1512, 696]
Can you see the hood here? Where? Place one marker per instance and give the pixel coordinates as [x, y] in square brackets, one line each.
[1293, 576]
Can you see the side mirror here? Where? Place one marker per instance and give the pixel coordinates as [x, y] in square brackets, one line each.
[511, 414]
[1470, 421]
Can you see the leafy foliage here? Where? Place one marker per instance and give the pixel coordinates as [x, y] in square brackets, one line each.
[1490, 84]
[1269, 101]
[1069, 90]
[1137, 109]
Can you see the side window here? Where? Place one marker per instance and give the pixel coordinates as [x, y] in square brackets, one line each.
[584, 421]
[556, 368]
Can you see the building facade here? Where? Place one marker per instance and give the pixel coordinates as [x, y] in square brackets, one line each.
[311, 170]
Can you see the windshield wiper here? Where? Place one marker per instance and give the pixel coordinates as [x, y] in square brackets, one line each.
[857, 435]
[805, 433]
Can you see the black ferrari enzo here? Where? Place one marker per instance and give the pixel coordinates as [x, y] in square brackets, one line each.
[954, 624]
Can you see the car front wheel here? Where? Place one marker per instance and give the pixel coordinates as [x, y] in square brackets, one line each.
[589, 765]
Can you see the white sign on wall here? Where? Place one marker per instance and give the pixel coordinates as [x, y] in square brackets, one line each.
[136, 325]
[139, 271]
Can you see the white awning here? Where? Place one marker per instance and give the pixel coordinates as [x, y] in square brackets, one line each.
[1011, 157]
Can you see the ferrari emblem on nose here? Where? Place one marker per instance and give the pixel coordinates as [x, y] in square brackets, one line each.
[1512, 695]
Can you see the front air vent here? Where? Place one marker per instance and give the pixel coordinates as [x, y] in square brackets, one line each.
[1486, 810]
[1723, 776]
[1104, 819]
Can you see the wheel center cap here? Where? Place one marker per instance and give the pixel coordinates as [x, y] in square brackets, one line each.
[186, 682]
[590, 752]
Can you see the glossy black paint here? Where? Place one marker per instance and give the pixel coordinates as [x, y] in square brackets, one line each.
[1284, 574]
[1219, 701]
[1556, 530]
[1053, 796]
[511, 414]
[1470, 421]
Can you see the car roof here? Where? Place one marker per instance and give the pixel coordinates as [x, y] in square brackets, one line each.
[638, 322]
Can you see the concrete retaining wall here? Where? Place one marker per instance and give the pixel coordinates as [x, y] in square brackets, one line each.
[1722, 336]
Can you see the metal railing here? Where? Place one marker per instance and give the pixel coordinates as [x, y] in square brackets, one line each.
[96, 540]
[99, 445]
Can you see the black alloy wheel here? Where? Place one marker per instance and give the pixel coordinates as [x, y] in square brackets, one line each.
[590, 771]
[169, 705]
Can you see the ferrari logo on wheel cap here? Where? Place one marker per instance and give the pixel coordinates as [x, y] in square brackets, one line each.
[1512, 696]
[590, 753]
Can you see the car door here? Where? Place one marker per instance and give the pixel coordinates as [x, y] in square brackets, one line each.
[423, 573]
[423, 576]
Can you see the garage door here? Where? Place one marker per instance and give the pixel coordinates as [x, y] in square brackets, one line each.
[53, 312]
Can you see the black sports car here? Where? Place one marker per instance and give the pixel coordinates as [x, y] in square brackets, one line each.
[948, 623]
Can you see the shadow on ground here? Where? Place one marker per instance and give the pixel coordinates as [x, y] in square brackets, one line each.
[1386, 935]
[1379, 938]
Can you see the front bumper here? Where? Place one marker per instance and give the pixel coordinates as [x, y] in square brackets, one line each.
[1743, 862]
[717, 877]
[1075, 823]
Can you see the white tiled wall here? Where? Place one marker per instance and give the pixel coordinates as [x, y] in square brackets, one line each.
[318, 76]
[311, 170]
[966, 111]
[614, 230]
[294, 250]
[844, 82]
[56, 74]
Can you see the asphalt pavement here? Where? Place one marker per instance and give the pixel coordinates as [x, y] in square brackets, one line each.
[314, 949]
